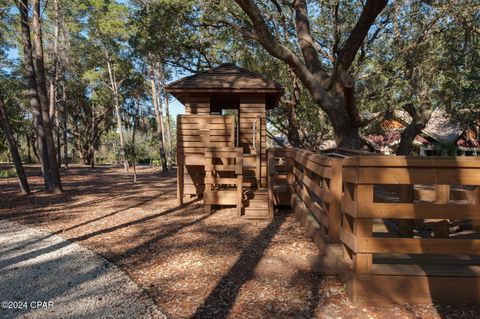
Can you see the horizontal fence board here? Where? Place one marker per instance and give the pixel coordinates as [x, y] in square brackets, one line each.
[426, 270]
[350, 175]
[388, 175]
[203, 144]
[348, 239]
[418, 246]
[316, 158]
[189, 132]
[323, 171]
[198, 138]
[349, 207]
[204, 126]
[385, 289]
[312, 206]
[220, 197]
[205, 120]
[418, 210]
[409, 161]
[312, 185]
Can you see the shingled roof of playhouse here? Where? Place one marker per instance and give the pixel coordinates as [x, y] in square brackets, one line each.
[226, 78]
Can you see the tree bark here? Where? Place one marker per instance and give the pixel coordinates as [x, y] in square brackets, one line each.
[337, 102]
[22, 178]
[54, 112]
[29, 153]
[116, 99]
[41, 144]
[56, 187]
[293, 128]
[65, 125]
[134, 149]
[54, 73]
[168, 123]
[158, 118]
[420, 118]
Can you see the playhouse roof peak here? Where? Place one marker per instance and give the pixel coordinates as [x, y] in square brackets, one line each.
[226, 79]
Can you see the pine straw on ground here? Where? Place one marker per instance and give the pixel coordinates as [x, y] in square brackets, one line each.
[193, 264]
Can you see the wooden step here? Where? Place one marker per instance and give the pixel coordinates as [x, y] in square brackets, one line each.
[257, 203]
[255, 213]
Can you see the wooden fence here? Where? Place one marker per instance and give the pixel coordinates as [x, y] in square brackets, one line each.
[409, 227]
[391, 264]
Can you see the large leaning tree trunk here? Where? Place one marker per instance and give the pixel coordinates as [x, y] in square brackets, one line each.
[40, 140]
[420, 117]
[158, 118]
[334, 91]
[43, 95]
[22, 178]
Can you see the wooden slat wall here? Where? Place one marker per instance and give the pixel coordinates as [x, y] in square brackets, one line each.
[197, 105]
[250, 109]
[317, 181]
[196, 132]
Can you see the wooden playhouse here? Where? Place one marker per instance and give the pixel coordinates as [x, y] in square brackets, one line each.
[221, 139]
[395, 229]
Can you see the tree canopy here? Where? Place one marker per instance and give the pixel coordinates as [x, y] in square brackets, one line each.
[345, 65]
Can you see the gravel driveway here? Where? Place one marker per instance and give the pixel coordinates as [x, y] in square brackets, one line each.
[45, 276]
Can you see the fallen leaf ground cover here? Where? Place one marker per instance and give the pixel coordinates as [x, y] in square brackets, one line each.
[192, 264]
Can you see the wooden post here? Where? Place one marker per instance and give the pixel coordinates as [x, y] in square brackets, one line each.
[208, 177]
[334, 213]
[476, 201]
[405, 226]
[180, 177]
[362, 263]
[442, 195]
[232, 134]
[239, 172]
[289, 157]
[258, 143]
[270, 181]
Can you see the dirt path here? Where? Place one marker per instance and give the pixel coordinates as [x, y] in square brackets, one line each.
[192, 264]
[44, 276]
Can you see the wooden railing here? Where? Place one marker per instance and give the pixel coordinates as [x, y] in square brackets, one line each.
[223, 177]
[314, 184]
[383, 227]
[317, 185]
[409, 227]
[280, 177]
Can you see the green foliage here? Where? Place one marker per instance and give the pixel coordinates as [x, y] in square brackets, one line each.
[415, 48]
[8, 173]
[135, 153]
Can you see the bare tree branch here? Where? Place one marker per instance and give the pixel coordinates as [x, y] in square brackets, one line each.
[305, 38]
[369, 13]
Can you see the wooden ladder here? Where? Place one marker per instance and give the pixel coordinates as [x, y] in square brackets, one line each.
[223, 177]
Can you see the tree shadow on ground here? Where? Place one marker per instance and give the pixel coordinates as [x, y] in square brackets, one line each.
[221, 300]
